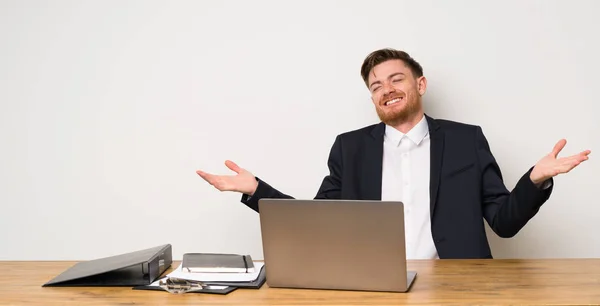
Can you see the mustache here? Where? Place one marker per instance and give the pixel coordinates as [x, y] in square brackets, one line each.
[392, 96]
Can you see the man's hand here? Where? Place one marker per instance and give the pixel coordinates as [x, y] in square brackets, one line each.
[550, 166]
[243, 182]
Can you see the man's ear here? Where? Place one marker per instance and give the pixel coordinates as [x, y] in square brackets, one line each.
[422, 85]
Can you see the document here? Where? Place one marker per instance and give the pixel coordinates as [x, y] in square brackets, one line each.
[210, 277]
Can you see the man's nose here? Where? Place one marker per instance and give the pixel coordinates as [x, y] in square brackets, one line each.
[388, 89]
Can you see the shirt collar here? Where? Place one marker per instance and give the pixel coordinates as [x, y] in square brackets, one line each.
[416, 134]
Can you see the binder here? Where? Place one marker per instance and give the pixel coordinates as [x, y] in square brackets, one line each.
[131, 269]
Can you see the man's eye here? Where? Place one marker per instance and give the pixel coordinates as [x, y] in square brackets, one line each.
[376, 88]
[397, 80]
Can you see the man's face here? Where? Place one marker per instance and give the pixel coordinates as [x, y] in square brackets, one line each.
[395, 92]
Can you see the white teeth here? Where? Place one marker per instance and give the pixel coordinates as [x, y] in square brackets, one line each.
[392, 101]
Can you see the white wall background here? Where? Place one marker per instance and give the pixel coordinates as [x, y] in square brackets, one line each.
[108, 108]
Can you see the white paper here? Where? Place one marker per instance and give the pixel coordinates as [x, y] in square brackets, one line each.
[218, 277]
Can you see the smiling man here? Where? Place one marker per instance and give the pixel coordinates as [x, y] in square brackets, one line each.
[443, 171]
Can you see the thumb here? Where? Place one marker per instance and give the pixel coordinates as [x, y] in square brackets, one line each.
[233, 166]
[558, 147]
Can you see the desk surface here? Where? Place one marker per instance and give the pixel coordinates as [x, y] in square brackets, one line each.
[543, 281]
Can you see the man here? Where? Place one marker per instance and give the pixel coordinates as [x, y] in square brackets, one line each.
[443, 171]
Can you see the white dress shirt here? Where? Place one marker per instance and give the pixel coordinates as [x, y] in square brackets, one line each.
[405, 178]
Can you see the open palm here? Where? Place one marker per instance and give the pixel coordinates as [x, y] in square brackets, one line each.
[243, 181]
[550, 165]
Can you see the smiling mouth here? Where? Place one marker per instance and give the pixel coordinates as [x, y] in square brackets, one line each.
[393, 101]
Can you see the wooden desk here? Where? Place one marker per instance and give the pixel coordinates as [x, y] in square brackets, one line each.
[546, 281]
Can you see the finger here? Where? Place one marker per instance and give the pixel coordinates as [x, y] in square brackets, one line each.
[570, 163]
[586, 152]
[233, 166]
[582, 154]
[206, 176]
[202, 174]
[578, 157]
[558, 147]
[567, 162]
[222, 183]
[565, 168]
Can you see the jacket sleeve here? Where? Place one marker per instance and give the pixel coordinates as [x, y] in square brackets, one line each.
[330, 187]
[507, 212]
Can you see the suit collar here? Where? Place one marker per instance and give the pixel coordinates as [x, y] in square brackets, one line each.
[378, 130]
[432, 124]
[416, 134]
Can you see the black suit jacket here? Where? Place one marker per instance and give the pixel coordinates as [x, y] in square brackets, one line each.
[466, 185]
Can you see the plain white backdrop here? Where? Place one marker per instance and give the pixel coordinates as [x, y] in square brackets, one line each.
[107, 109]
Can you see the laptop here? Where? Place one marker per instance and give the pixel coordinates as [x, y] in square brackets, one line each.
[334, 244]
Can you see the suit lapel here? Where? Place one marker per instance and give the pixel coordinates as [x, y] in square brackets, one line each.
[374, 163]
[436, 135]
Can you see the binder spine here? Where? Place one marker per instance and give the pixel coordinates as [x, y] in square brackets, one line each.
[160, 263]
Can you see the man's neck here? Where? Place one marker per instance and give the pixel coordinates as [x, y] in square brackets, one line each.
[407, 125]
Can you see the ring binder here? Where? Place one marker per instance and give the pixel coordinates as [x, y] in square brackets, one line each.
[131, 269]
